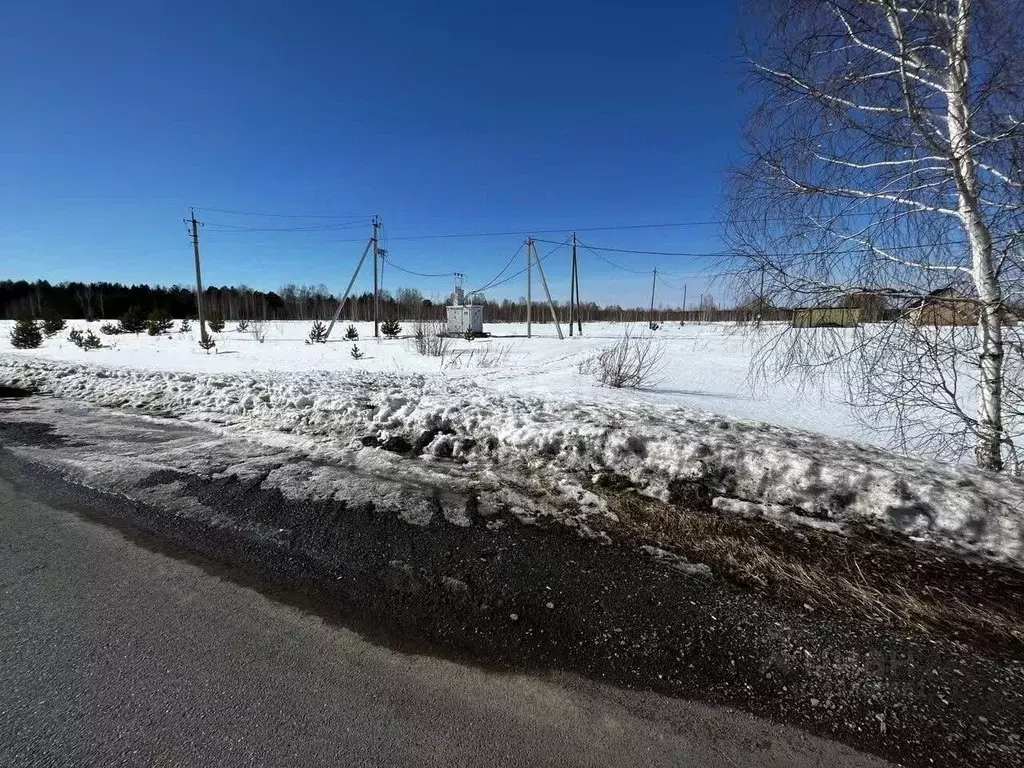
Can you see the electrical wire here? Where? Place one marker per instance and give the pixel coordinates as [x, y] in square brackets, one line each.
[726, 254]
[612, 263]
[413, 272]
[524, 269]
[285, 215]
[509, 233]
[709, 222]
[233, 228]
[666, 283]
[503, 269]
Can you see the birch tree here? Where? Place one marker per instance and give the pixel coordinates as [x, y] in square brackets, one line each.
[885, 159]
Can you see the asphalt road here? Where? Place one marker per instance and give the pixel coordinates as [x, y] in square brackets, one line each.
[112, 653]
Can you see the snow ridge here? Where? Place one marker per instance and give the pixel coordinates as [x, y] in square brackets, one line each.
[754, 467]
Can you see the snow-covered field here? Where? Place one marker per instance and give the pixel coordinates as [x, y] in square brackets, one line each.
[772, 451]
[705, 366]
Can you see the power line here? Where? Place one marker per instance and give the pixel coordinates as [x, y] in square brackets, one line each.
[525, 232]
[523, 270]
[287, 215]
[818, 252]
[612, 263]
[412, 272]
[503, 269]
[611, 228]
[232, 228]
[655, 253]
[666, 283]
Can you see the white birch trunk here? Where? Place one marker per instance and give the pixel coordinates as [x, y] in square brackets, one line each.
[988, 449]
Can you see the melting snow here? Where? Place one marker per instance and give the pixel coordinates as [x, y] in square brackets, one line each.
[540, 417]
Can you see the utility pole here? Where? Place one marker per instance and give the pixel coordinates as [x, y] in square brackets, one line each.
[529, 286]
[683, 319]
[576, 279]
[199, 278]
[376, 284]
[544, 282]
[654, 283]
[371, 243]
[572, 282]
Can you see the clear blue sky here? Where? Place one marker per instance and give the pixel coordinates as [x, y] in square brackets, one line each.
[439, 117]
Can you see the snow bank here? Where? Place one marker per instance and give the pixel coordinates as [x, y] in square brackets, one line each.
[778, 471]
[705, 366]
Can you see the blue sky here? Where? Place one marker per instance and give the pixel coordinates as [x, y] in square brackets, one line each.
[440, 118]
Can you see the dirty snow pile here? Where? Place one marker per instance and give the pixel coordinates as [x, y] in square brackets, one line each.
[748, 467]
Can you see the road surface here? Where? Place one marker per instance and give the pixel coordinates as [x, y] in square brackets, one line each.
[112, 653]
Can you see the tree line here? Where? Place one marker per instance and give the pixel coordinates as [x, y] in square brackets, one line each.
[108, 301]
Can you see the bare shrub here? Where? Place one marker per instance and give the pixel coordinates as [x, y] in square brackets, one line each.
[258, 330]
[429, 339]
[633, 362]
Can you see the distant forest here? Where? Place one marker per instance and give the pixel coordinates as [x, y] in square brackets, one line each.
[108, 301]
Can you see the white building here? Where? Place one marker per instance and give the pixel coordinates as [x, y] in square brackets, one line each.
[465, 317]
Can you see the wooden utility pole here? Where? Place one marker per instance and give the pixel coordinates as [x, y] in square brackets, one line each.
[529, 287]
[576, 279]
[654, 283]
[572, 282]
[544, 282]
[683, 319]
[199, 278]
[376, 284]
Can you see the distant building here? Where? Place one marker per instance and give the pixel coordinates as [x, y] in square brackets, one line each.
[466, 317]
[872, 305]
[946, 306]
[827, 317]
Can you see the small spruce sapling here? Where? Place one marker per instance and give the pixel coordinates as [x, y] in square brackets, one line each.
[132, 321]
[351, 334]
[26, 333]
[356, 352]
[390, 328]
[318, 333]
[243, 325]
[185, 327]
[53, 323]
[207, 344]
[86, 341]
[91, 340]
[109, 329]
[215, 321]
[158, 322]
[468, 334]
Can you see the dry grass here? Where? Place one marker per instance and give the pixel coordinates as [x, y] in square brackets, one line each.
[866, 575]
[481, 355]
